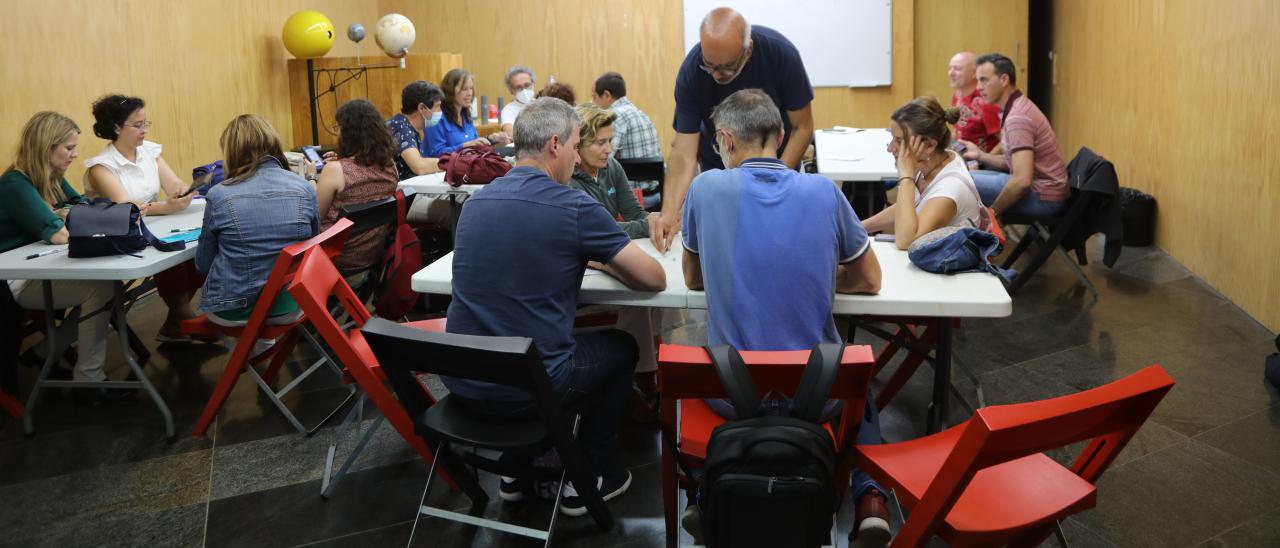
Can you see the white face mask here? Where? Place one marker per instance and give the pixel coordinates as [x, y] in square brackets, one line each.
[524, 96]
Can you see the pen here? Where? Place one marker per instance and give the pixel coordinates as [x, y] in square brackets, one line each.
[177, 230]
[43, 253]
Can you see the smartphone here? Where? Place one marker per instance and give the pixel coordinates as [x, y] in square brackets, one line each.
[314, 156]
[190, 189]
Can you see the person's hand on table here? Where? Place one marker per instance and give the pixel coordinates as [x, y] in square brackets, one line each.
[180, 202]
[499, 139]
[662, 230]
[593, 265]
[476, 142]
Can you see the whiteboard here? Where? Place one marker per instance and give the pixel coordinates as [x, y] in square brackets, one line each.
[842, 42]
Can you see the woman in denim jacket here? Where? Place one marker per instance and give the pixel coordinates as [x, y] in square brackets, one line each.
[258, 210]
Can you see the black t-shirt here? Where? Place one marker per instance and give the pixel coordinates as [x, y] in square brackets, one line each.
[774, 67]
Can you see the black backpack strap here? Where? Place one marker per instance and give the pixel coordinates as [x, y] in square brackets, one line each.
[815, 384]
[155, 242]
[736, 380]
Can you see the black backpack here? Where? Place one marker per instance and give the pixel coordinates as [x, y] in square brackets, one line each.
[769, 480]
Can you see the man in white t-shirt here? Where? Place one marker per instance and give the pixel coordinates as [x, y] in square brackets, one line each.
[519, 80]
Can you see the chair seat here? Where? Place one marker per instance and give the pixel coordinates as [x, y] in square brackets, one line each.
[1003, 498]
[202, 326]
[451, 420]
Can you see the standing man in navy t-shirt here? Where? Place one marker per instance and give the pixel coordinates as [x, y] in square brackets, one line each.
[732, 55]
[521, 247]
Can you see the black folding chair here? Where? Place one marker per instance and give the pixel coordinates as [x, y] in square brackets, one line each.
[647, 169]
[370, 216]
[1052, 232]
[403, 352]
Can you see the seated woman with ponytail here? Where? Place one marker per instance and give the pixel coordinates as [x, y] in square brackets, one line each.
[934, 186]
[260, 208]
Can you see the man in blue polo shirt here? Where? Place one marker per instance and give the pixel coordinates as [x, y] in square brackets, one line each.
[731, 55]
[520, 250]
[772, 246]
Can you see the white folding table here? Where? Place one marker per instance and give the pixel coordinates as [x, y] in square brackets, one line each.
[906, 291]
[855, 155]
[14, 265]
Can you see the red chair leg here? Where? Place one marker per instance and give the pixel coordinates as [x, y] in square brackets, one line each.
[906, 370]
[10, 405]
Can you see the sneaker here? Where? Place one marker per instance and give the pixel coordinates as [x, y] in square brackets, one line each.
[691, 521]
[611, 485]
[871, 521]
[514, 489]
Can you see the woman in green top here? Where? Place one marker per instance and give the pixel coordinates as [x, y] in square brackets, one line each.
[32, 192]
[601, 176]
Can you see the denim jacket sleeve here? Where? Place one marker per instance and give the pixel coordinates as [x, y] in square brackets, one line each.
[208, 243]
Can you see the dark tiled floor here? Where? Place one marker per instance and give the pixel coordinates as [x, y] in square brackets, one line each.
[1203, 471]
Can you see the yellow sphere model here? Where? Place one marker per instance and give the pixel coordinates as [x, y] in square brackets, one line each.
[307, 33]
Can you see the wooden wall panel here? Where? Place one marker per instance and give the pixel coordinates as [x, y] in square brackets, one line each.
[381, 86]
[577, 40]
[1179, 95]
[944, 27]
[197, 64]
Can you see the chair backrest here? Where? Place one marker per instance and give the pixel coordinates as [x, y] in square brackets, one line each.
[1109, 415]
[644, 169]
[315, 282]
[687, 373]
[403, 351]
[330, 241]
[370, 215]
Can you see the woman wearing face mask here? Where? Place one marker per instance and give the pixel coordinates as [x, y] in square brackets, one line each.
[32, 192]
[934, 186]
[455, 131]
[519, 80]
[130, 169]
[419, 110]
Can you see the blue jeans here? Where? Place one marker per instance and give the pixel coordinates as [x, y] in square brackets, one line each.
[991, 183]
[868, 433]
[601, 373]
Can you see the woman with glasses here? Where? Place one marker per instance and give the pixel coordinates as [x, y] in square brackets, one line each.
[601, 177]
[130, 169]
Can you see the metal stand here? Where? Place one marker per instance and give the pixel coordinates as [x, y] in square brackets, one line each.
[354, 73]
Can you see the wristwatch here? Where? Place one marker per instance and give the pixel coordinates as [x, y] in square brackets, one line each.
[313, 177]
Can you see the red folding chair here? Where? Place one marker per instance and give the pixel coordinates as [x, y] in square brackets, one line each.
[987, 481]
[316, 282]
[242, 359]
[686, 375]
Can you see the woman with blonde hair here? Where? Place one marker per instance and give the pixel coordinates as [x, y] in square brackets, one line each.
[260, 208]
[33, 193]
[601, 177]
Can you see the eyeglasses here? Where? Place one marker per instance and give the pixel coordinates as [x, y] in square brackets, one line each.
[730, 69]
[140, 126]
[715, 143]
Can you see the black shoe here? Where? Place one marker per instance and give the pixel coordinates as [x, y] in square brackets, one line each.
[514, 489]
[611, 485]
[99, 396]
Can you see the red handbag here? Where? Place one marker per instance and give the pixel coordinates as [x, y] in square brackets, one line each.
[473, 166]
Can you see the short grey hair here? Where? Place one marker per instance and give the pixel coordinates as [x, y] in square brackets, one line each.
[518, 69]
[749, 115]
[543, 118]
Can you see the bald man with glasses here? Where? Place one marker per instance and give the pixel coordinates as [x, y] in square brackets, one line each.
[731, 55]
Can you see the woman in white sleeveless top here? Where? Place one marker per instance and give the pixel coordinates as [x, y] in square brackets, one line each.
[934, 186]
[130, 169]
